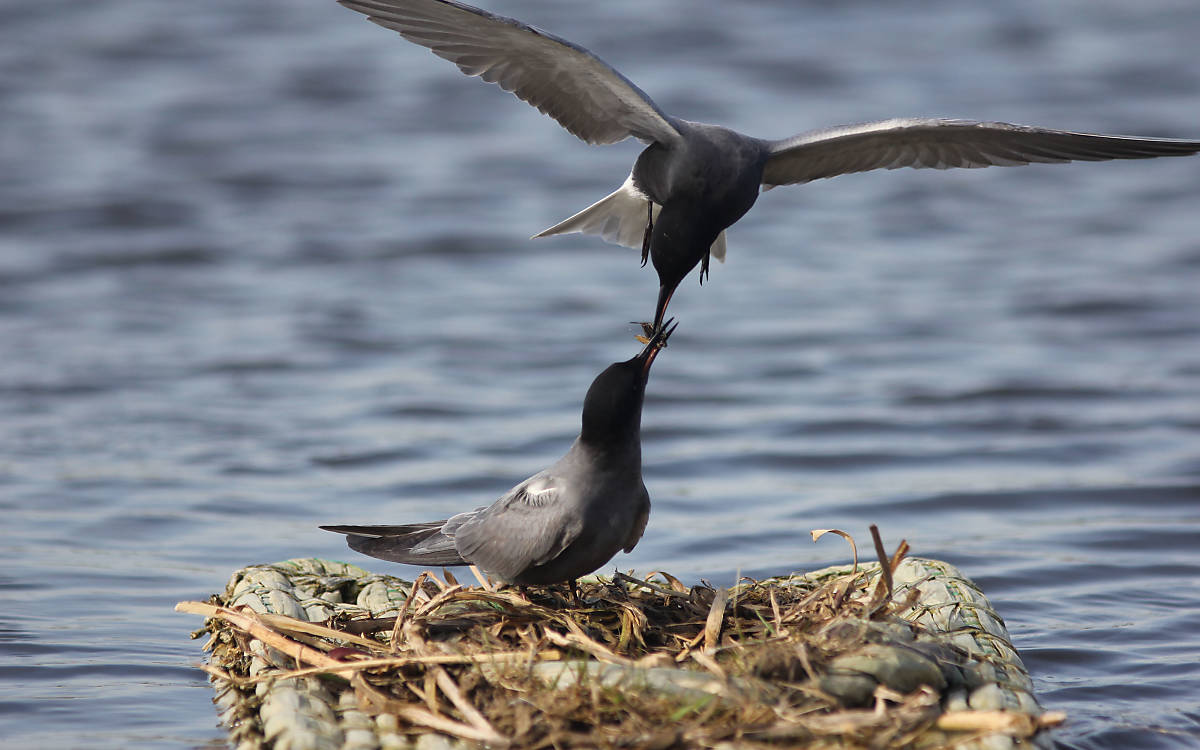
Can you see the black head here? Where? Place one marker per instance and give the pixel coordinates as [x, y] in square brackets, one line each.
[612, 409]
[679, 241]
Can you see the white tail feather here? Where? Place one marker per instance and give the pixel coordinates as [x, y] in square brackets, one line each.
[718, 248]
[619, 218]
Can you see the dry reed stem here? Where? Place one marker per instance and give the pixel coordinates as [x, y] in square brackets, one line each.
[505, 657]
[469, 712]
[705, 660]
[818, 533]
[483, 580]
[379, 702]
[649, 586]
[394, 641]
[292, 625]
[587, 645]
[437, 601]
[716, 616]
[676, 584]
[249, 622]
[1012, 723]
[885, 567]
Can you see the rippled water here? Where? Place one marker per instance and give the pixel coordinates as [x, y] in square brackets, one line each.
[264, 266]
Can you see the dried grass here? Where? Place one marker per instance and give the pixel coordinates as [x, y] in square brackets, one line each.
[532, 670]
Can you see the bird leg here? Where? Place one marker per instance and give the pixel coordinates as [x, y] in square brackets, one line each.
[704, 266]
[574, 584]
[646, 235]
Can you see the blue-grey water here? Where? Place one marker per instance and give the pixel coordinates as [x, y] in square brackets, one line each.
[264, 265]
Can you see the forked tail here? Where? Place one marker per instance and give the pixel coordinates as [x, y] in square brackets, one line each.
[413, 544]
[619, 218]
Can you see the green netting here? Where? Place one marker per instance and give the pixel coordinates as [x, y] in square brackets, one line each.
[823, 659]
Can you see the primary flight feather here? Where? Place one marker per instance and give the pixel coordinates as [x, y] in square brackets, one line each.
[694, 180]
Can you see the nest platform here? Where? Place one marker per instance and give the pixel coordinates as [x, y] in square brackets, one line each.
[316, 654]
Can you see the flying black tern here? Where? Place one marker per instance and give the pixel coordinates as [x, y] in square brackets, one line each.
[694, 180]
[561, 523]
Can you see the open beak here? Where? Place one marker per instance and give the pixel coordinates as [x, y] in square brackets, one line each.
[664, 298]
[655, 343]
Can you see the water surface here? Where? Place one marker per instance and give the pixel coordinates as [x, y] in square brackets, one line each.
[264, 266]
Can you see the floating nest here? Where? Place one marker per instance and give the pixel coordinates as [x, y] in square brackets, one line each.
[317, 654]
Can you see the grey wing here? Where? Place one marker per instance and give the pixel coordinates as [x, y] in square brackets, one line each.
[529, 526]
[579, 90]
[945, 144]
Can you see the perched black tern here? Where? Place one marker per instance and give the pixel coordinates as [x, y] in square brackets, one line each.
[561, 523]
[694, 180]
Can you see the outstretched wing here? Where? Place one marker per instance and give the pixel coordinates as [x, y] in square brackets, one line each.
[945, 144]
[528, 526]
[579, 90]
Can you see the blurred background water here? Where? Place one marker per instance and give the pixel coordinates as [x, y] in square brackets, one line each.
[264, 266]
